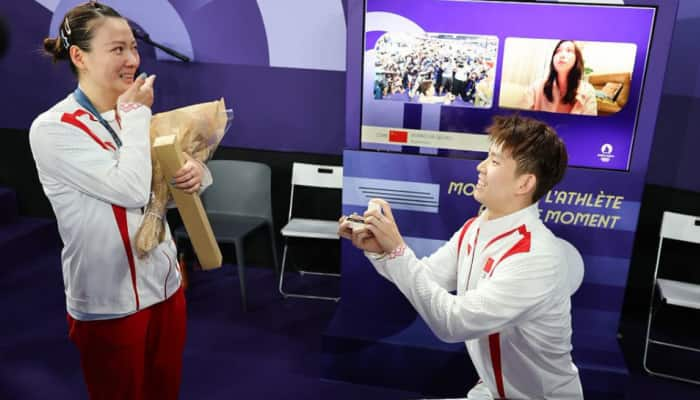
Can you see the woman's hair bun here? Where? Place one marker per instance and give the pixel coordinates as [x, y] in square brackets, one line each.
[54, 48]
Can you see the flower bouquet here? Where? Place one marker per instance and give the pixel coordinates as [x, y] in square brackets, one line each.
[199, 129]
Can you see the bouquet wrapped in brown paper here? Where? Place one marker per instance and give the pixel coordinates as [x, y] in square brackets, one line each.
[199, 129]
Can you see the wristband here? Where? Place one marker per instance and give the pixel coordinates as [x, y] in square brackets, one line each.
[375, 256]
[397, 252]
[128, 107]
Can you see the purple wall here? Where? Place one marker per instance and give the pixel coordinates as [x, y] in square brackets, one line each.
[281, 71]
[674, 161]
[375, 322]
[301, 109]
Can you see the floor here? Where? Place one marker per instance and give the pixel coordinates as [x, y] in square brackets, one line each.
[271, 351]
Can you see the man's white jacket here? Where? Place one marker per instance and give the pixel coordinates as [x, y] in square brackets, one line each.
[512, 304]
[98, 192]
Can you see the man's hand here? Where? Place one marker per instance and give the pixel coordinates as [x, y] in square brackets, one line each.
[381, 224]
[379, 233]
[189, 177]
[361, 238]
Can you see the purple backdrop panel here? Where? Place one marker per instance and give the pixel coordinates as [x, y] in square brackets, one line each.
[275, 108]
[230, 32]
[597, 216]
[168, 29]
[449, 17]
[598, 220]
[595, 209]
[284, 109]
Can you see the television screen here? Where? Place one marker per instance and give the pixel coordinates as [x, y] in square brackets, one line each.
[435, 72]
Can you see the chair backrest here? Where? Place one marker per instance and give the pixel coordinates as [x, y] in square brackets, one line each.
[239, 188]
[326, 176]
[680, 227]
[574, 262]
[314, 175]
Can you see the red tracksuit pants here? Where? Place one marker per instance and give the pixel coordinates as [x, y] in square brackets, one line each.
[135, 357]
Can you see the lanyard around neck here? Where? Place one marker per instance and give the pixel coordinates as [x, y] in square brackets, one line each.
[83, 100]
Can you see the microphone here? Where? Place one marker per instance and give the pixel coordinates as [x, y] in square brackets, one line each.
[141, 34]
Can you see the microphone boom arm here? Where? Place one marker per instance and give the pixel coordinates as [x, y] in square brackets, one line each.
[147, 39]
[141, 34]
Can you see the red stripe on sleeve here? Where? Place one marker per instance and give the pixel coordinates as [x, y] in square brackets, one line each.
[461, 234]
[459, 244]
[502, 235]
[523, 246]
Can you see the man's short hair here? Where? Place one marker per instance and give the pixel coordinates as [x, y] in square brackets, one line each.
[534, 146]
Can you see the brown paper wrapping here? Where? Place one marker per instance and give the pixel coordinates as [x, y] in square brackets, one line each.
[199, 129]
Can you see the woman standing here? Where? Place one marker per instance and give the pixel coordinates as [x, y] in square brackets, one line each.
[563, 91]
[92, 151]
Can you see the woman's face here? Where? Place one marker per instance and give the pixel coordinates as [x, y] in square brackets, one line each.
[113, 58]
[564, 57]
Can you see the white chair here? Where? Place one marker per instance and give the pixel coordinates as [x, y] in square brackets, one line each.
[318, 176]
[684, 228]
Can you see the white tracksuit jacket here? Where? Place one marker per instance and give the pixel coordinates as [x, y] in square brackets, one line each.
[512, 307]
[97, 193]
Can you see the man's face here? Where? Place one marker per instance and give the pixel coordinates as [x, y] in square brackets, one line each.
[498, 182]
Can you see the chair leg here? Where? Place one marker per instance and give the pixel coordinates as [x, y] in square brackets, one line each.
[300, 295]
[238, 244]
[646, 339]
[284, 261]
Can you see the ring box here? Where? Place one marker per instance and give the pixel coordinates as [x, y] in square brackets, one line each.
[356, 221]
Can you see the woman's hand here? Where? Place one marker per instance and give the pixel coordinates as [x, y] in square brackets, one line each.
[140, 92]
[189, 177]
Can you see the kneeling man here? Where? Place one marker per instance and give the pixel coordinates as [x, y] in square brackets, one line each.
[512, 304]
